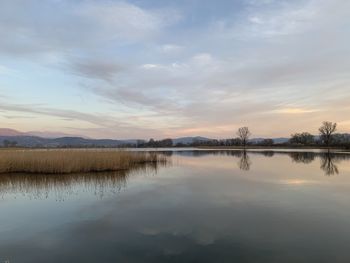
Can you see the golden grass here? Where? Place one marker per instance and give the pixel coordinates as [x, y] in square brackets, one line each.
[73, 161]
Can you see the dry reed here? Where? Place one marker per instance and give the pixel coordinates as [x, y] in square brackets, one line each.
[73, 161]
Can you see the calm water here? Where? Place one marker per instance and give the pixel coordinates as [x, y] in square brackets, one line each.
[206, 206]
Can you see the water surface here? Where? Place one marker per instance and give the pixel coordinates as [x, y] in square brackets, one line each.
[205, 206]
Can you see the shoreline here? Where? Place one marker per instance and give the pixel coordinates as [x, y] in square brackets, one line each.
[272, 148]
[249, 147]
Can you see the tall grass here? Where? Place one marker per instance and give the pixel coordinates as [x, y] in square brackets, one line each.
[73, 161]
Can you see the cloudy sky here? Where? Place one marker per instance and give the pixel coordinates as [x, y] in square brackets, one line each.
[171, 68]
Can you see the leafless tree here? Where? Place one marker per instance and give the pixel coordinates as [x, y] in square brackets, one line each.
[244, 134]
[326, 131]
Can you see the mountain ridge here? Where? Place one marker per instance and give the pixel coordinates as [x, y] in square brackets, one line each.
[42, 134]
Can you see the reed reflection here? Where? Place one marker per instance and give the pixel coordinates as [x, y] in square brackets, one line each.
[42, 186]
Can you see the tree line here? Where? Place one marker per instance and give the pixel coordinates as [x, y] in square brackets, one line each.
[326, 137]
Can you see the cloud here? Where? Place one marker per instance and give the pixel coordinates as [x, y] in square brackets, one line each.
[171, 48]
[151, 66]
[66, 114]
[289, 20]
[121, 20]
[95, 68]
[295, 111]
[63, 26]
[99, 125]
[292, 66]
[5, 70]
[270, 63]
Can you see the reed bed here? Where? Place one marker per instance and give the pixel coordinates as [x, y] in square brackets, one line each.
[74, 161]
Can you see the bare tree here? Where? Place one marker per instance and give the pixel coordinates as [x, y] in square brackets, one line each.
[244, 134]
[326, 131]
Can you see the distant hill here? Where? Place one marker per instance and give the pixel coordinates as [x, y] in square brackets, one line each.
[42, 134]
[280, 140]
[10, 132]
[47, 134]
[34, 141]
[256, 140]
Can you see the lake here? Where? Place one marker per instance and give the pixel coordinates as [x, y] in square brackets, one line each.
[204, 206]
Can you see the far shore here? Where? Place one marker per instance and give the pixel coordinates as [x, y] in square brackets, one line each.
[277, 147]
[248, 147]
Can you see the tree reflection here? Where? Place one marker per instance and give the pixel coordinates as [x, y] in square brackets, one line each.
[244, 162]
[268, 153]
[328, 165]
[302, 157]
[328, 160]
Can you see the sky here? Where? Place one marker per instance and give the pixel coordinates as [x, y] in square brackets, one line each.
[172, 68]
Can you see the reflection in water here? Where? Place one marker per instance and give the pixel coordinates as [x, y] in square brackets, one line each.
[244, 163]
[197, 210]
[268, 153]
[39, 186]
[328, 159]
[200, 153]
[302, 157]
[328, 164]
